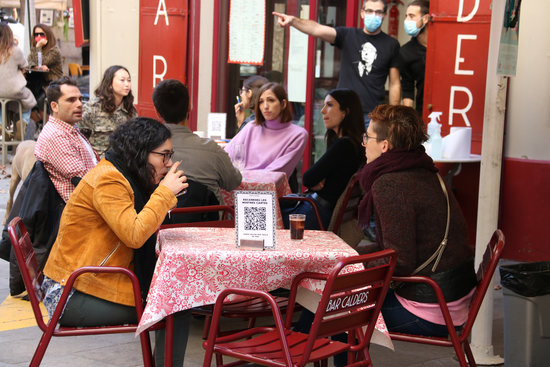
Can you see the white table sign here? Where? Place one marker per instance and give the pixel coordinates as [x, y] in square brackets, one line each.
[216, 125]
[255, 219]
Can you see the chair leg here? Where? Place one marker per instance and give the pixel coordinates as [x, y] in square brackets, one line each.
[169, 341]
[41, 348]
[146, 349]
[206, 328]
[469, 354]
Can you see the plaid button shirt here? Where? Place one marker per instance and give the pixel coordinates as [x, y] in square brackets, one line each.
[60, 146]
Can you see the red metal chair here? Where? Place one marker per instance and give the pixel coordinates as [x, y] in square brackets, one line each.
[459, 339]
[350, 301]
[227, 220]
[33, 277]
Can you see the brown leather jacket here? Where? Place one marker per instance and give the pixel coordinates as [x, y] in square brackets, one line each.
[100, 226]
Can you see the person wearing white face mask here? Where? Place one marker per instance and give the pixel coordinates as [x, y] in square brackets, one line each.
[413, 53]
[368, 55]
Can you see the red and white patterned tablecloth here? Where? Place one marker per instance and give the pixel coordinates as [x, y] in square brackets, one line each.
[259, 180]
[196, 264]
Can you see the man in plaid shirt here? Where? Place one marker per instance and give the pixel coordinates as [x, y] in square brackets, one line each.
[61, 147]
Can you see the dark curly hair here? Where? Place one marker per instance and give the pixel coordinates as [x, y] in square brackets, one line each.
[400, 125]
[133, 141]
[106, 96]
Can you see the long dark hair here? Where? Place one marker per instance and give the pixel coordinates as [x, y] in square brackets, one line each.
[7, 42]
[106, 96]
[50, 36]
[353, 124]
[133, 141]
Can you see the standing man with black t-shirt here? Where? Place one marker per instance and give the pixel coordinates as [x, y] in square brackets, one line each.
[412, 63]
[368, 55]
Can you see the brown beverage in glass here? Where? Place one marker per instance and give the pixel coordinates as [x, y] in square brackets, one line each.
[297, 225]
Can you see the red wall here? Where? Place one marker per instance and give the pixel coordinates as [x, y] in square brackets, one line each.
[525, 209]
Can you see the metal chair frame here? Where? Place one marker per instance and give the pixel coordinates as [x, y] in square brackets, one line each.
[350, 303]
[33, 278]
[459, 340]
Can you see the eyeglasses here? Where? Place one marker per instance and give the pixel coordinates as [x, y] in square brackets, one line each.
[366, 138]
[40, 34]
[377, 12]
[165, 156]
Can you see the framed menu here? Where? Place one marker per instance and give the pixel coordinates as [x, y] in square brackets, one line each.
[255, 219]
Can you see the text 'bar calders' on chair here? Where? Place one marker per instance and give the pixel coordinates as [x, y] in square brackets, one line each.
[459, 339]
[33, 277]
[350, 302]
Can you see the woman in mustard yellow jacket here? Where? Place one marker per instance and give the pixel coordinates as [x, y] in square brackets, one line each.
[111, 219]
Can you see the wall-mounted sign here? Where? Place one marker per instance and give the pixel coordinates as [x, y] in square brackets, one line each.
[246, 32]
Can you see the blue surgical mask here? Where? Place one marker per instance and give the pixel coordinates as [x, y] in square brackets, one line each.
[372, 22]
[411, 28]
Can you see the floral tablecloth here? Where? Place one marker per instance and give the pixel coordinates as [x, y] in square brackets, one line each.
[259, 180]
[196, 264]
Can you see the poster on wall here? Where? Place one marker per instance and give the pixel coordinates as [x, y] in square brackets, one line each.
[508, 48]
[246, 32]
[46, 16]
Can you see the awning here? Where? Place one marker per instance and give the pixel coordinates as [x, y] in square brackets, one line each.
[38, 4]
[10, 3]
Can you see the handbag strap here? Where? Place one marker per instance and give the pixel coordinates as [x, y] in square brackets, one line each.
[437, 254]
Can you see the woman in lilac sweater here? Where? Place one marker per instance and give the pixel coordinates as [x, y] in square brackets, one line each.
[272, 142]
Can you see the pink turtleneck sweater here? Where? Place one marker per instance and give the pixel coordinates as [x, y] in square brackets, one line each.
[274, 146]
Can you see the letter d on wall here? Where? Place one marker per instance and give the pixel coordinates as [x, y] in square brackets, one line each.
[159, 75]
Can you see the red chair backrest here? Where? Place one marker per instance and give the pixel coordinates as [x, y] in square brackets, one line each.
[227, 221]
[352, 300]
[350, 203]
[28, 265]
[485, 274]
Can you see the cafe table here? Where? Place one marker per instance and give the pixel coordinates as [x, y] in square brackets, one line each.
[260, 180]
[196, 264]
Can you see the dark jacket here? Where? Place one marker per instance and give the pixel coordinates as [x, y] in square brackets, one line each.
[40, 207]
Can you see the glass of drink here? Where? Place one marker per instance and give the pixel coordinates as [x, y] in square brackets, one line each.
[239, 156]
[297, 225]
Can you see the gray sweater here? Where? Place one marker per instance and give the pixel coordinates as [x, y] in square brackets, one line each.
[13, 83]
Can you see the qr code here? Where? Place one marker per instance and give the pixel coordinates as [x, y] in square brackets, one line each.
[254, 218]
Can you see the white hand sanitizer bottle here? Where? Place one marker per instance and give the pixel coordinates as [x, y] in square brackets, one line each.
[434, 133]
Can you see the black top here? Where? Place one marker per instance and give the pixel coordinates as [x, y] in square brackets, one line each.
[341, 160]
[365, 64]
[412, 64]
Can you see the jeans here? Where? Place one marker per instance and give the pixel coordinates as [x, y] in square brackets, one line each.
[399, 320]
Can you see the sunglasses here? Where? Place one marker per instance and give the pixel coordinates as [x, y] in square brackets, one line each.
[42, 34]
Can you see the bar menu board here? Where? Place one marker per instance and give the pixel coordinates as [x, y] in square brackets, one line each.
[246, 32]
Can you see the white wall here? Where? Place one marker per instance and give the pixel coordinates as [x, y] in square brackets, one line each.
[528, 125]
[205, 64]
[114, 26]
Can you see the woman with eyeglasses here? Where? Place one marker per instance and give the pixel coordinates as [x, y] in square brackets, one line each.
[112, 106]
[327, 179]
[248, 96]
[415, 214]
[271, 142]
[12, 61]
[111, 219]
[45, 54]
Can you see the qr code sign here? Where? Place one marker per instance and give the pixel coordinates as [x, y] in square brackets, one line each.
[254, 218]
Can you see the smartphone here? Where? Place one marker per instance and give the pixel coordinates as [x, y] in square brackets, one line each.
[239, 101]
[182, 192]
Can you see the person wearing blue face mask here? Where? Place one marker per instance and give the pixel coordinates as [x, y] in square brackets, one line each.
[412, 54]
[368, 55]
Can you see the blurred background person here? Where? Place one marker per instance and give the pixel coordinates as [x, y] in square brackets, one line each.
[244, 110]
[112, 218]
[410, 205]
[329, 176]
[12, 62]
[44, 42]
[272, 142]
[112, 106]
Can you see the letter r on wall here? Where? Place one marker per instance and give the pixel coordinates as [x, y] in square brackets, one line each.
[159, 75]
